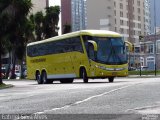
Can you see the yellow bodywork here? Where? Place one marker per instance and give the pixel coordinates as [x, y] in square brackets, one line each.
[67, 65]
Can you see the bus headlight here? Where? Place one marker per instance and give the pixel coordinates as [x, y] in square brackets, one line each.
[111, 69]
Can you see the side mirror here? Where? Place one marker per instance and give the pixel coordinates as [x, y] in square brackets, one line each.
[92, 50]
[130, 46]
[94, 44]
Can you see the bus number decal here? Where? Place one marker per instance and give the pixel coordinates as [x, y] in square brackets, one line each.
[38, 60]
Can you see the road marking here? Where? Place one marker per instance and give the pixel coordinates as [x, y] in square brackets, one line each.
[87, 99]
[155, 109]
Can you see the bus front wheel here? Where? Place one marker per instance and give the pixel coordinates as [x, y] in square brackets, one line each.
[111, 79]
[84, 75]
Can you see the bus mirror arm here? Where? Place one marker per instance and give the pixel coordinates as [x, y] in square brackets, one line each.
[130, 45]
[94, 44]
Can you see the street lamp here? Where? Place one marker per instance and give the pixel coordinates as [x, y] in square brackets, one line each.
[155, 47]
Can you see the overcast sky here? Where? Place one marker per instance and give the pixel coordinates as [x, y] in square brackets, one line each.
[54, 2]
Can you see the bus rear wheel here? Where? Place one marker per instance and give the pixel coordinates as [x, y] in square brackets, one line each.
[38, 78]
[84, 75]
[44, 77]
[111, 79]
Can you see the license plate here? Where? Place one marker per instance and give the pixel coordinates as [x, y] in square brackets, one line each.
[114, 73]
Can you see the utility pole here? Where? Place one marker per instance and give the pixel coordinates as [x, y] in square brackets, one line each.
[155, 47]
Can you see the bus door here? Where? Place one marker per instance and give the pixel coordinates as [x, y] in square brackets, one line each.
[91, 59]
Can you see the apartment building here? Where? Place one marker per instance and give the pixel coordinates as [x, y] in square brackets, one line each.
[74, 14]
[128, 17]
[155, 19]
[131, 18]
[66, 12]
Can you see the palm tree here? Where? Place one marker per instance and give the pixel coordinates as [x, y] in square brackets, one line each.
[12, 18]
[39, 19]
[51, 21]
[66, 28]
[46, 25]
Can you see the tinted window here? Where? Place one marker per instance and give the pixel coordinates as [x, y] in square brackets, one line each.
[55, 47]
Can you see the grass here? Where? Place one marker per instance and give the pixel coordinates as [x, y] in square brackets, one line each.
[144, 72]
[2, 86]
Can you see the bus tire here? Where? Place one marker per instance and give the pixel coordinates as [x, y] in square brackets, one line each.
[70, 80]
[38, 78]
[111, 79]
[83, 74]
[44, 77]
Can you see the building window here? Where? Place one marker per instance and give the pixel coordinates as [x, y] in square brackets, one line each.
[121, 6]
[139, 25]
[158, 46]
[114, 4]
[121, 22]
[115, 13]
[115, 29]
[137, 50]
[142, 48]
[150, 48]
[138, 3]
[139, 32]
[121, 30]
[121, 14]
[139, 18]
[139, 10]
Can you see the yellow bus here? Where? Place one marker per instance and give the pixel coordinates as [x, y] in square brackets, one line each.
[83, 54]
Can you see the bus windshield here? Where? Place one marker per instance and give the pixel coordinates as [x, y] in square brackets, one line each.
[111, 50]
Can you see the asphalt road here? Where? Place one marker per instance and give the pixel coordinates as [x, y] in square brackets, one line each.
[123, 99]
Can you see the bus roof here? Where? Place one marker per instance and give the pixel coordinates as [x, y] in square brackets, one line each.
[102, 33]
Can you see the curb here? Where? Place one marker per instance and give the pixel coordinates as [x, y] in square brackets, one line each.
[7, 86]
[143, 76]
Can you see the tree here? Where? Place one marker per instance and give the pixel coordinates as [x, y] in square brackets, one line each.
[66, 28]
[46, 25]
[39, 20]
[51, 21]
[6, 20]
[12, 24]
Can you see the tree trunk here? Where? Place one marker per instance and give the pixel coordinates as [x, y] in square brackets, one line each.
[13, 76]
[1, 70]
[1, 63]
